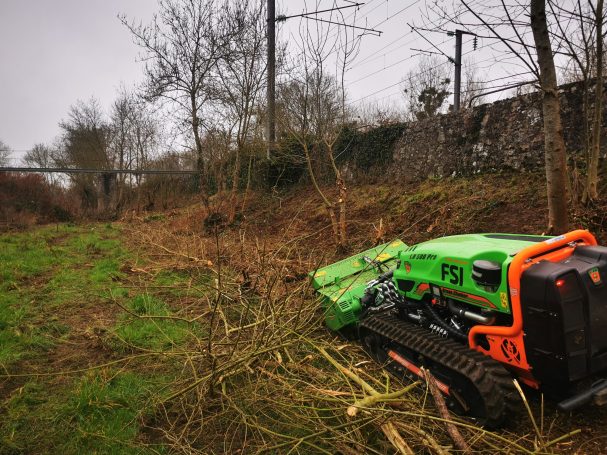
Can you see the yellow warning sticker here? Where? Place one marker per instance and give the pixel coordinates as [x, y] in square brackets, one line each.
[383, 257]
[321, 273]
[504, 299]
[396, 243]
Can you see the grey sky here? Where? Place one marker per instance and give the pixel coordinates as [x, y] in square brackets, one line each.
[54, 52]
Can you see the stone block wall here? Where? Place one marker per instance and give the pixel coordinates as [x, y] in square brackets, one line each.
[503, 136]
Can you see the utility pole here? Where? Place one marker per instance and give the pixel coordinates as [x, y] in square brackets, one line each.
[457, 90]
[271, 38]
[271, 83]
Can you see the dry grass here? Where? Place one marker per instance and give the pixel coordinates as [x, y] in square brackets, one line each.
[264, 376]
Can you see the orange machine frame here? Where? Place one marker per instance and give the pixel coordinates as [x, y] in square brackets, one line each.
[506, 343]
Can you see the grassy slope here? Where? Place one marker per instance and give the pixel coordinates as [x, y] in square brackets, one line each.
[58, 285]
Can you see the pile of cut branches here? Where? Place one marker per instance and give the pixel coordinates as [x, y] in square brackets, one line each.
[265, 376]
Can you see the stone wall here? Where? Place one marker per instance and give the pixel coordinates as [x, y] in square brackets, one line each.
[502, 136]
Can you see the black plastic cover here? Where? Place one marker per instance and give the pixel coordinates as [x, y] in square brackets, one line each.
[565, 316]
[487, 273]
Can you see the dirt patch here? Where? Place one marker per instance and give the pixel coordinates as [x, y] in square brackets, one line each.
[84, 345]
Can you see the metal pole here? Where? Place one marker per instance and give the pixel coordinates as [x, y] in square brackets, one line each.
[271, 89]
[458, 70]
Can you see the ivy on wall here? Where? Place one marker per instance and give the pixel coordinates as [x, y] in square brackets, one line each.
[367, 149]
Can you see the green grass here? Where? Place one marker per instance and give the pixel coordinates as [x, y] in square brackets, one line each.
[48, 270]
[49, 278]
[178, 283]
[101, 413]
[146, 330]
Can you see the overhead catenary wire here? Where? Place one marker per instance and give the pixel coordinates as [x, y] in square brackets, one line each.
[386, 68]
[384, 20]
[368, 30]
[400, 82]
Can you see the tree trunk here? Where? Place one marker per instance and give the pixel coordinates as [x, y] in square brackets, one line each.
[247, 187]
[555, 155]
[342, 196]
[593, 164]
[199, 153]
[235, 182]
[325, 200]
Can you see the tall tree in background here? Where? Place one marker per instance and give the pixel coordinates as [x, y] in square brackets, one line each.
[181, 48]
[426, 88]
[134, 137]
[591, 191]
[41, 155]
[242, 75]
[579, 29]
[86, 137]
[85, 143]
[554, 143]
[510, 36]
[315, 111]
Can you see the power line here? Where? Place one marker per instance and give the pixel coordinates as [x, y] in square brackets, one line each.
[282, 17]
[375, 93]
[432, 44]
[397, 13]
[308, 16]
[386, 20]
[370, 30]
[374, 56]
[391, 65]
[421, 72]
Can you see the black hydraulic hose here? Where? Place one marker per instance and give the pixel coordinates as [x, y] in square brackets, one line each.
[450, 329]
[385, 276]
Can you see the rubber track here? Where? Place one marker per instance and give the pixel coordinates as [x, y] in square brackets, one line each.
[492, 381]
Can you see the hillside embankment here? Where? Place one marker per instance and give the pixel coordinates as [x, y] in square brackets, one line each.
[169, 333]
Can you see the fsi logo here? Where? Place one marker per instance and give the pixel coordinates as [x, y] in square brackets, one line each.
[453, 272]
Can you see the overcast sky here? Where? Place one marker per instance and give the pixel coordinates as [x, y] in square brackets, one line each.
[55, 52]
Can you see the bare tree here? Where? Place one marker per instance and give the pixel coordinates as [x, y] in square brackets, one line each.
[41, 155]
[315, 110]
[134, 138]
[181, 48]
[85, 143]
[242, 76]
[5, 152]
[426, 88]
[86, 137]
[593, 165]
[579, 29]
[524, 42]
[554, 143]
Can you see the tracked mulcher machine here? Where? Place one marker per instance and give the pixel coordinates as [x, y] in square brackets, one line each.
[477, 310]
